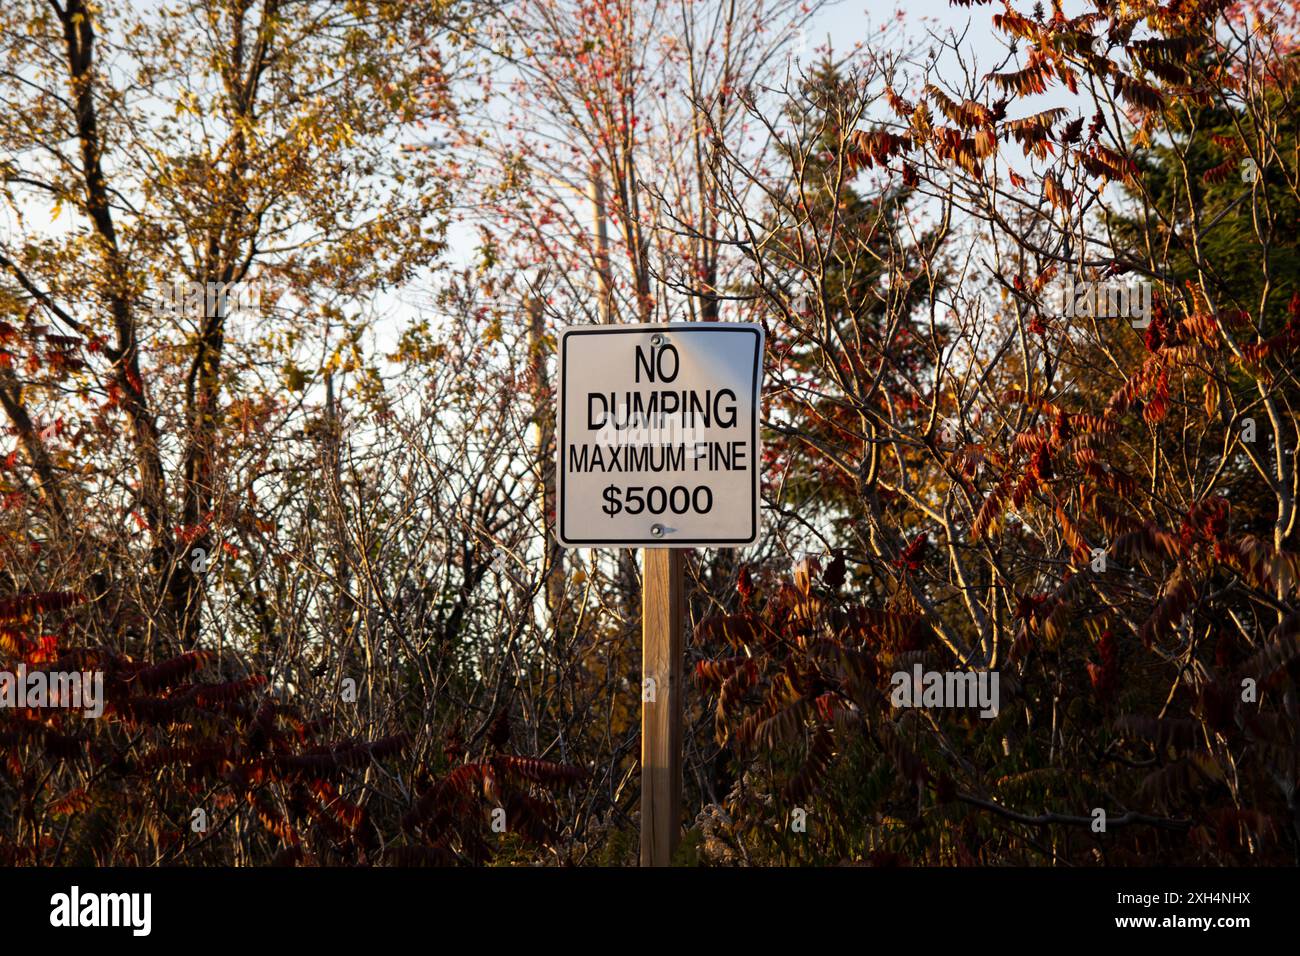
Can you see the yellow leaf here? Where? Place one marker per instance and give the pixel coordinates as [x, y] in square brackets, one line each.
[1211, 398]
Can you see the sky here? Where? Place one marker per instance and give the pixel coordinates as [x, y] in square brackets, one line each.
[851, 20]
[841, 25]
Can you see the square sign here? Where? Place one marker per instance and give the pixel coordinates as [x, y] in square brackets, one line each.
[658, 435]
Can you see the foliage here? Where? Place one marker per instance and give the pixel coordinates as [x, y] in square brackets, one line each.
[309, 547]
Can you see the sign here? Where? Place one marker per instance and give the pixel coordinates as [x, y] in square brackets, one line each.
[658, 435]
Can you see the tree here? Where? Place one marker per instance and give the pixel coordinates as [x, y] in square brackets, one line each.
[1095, 518]
[203, 168]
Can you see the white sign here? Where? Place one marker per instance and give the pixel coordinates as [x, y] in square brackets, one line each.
[658, 435]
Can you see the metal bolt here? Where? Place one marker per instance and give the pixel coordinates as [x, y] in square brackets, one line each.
[657, 530]
[657, 340]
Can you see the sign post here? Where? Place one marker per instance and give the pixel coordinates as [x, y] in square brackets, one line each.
[661, 704]
[658, 448]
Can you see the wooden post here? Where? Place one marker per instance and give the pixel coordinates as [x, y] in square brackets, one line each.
[662, 661]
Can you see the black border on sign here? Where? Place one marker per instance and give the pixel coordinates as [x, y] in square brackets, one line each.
[650, 329]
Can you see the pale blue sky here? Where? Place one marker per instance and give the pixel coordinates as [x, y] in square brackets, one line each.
[843, 24]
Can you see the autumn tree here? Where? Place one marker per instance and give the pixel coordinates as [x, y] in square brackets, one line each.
[190, 145]
[1102, 528]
